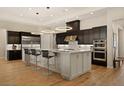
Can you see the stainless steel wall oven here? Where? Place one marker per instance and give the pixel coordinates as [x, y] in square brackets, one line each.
[99, 50]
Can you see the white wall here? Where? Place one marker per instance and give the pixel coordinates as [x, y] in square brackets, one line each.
[14, 26]
[121, 43]
[94, 21]
[115, 31]
[112, 14]
[116, 27]
[2, 42]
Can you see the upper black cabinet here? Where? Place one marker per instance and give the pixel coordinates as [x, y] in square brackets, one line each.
[103, 32]
[84, 36]
[95, 33]
[74, 24]
[13, 37]
[100, 32]
[60, 38]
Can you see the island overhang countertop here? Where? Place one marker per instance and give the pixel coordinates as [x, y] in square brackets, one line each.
[70, 51]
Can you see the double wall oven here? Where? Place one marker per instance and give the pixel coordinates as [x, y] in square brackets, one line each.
[99, 50]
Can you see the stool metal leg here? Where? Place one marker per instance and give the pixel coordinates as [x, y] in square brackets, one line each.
[48, 68]
[36, 62]
[48, 65]
[37, 68]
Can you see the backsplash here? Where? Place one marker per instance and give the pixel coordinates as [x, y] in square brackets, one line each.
[86, 47]
[10, 46]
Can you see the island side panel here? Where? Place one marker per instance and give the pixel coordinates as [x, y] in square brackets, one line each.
[86, 61]
[65, 67]
[75, 64]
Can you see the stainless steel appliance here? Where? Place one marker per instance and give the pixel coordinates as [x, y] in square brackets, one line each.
[99, 50]
[30, 42]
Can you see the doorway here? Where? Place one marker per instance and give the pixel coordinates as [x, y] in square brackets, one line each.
[120, 42]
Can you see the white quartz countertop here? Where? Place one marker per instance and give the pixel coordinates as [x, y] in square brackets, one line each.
[70, 51]
[65, 50]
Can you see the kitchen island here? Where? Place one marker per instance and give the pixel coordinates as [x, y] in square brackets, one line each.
[69, 63]
[74, 63]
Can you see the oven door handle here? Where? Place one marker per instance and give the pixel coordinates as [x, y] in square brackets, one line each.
[99, 51]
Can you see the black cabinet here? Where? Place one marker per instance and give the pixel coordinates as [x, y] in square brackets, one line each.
[84, 36]
[14, 54]
[103, 32]
[91, 37]
[100, 32]
[95, 33]
[74, 24]
[60, 38]
[80, 37]
[13, 37]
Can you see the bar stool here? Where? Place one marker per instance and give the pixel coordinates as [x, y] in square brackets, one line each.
[121, 58]
[36, 53]
[46, 54]
[27, 56]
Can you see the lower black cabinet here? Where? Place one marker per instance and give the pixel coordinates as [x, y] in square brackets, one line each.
[14, 54]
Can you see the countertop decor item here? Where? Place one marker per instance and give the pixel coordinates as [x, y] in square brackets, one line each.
[14, 47]
[70, 38]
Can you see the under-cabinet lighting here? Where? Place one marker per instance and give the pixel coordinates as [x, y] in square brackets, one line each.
[63, 28]
[91, 13]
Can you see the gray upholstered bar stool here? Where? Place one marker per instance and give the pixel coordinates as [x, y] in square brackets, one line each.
[27, 56]
[46, 54]
[36, 53]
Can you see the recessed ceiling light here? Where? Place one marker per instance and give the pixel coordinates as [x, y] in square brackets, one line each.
[51, 15]
[48, 8]
[91, 13]
[66, 10]
[21, 14]
[29, 9]
[37, 13]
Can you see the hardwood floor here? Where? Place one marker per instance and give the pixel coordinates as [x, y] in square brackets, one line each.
[15, 73]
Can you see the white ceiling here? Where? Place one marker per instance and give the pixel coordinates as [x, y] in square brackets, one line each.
[47, 17]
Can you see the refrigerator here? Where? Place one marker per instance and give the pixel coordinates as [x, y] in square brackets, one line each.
[30, 42]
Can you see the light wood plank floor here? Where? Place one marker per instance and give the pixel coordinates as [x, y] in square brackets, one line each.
[15, 73]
